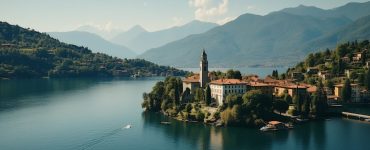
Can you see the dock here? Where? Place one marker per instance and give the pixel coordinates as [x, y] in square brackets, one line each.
[354, 115]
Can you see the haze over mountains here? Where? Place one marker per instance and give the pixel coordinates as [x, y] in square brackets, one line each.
[279, 38]
[106, 34]
[93, 42]
[129, 43]
[140, 40]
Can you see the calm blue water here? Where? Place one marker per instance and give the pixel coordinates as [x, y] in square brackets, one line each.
[90, 114]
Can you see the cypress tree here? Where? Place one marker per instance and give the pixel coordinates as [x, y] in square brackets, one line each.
[346, 91]
[208, 97]
[367, 80]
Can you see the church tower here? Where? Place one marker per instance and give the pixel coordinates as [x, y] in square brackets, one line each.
[203, 74]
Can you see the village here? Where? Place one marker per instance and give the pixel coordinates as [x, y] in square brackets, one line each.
[322, 85]
[269, 85]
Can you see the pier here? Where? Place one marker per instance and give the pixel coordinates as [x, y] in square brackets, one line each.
[354, 115]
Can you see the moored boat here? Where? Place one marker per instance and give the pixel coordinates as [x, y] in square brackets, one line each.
[165, 123]
[276, 125]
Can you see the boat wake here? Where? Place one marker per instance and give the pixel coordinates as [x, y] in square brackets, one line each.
[127, 126]
[100, 139]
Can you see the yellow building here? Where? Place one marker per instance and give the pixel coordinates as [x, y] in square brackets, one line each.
[355, 92]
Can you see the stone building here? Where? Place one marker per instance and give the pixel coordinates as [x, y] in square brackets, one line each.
[198, 80]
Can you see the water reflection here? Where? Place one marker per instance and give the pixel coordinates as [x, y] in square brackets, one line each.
[14, 93]
[193, 134]
[209, 137]
[22, 92]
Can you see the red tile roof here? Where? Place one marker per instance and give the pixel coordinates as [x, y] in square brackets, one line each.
[259, 84]
[191, 79]
[228, 81]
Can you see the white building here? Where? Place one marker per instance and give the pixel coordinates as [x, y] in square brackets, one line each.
[223, 87]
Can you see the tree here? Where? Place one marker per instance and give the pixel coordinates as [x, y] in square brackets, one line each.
[297, 103]
[199, 95]
[258, 101]
[306, 106]
[341, 66]
[233, 99]
[361, 79]
[327, 52]
[287, 98]
[367, 80]
[237, 75]
[330, 84]
[282, 76]
[310, 61]
[208, 98]
[231, 74]
[341, 50]
[188, 107]
[319, 101]
[186, 96]
[346, 91]
[275, 74]
[281, 106]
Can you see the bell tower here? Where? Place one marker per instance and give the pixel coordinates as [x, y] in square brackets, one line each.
[203, 74]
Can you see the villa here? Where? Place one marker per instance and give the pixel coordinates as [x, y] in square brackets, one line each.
[223, 87]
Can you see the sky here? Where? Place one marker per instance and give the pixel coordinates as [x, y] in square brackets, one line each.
[111, 15]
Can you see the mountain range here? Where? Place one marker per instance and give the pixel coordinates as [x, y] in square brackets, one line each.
[279, 38]
[93, 42]
[140, 40]
[125, 44]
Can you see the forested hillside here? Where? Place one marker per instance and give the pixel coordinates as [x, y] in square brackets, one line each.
[25, 53]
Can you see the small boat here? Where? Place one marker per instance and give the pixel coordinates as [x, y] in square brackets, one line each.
[165, 123]
[127, 126]
[268, 127]
[367, 120]
[302, 120]
[276, 125]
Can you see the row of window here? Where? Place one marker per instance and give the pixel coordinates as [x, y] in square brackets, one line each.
[235, 91]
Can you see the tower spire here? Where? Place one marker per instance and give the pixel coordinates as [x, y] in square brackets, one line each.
[203, 80]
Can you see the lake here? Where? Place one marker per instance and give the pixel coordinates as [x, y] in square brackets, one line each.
[63, 114]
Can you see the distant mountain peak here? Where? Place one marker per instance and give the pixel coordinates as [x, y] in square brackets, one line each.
[137, 28]
[198, 23]
[301, 8]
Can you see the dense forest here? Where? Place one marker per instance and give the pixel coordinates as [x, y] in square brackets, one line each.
[25, 53]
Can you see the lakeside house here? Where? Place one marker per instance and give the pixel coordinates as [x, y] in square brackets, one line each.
[355, 92]
[223, 87]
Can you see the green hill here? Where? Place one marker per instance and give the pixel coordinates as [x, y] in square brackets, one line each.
[248, 40]
[279, 38]
[358, 30]
[25, 53]
[351, 11]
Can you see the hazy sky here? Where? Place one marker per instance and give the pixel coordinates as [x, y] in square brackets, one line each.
[64, 15]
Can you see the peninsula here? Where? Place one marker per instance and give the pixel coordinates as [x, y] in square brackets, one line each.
[304, 92]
